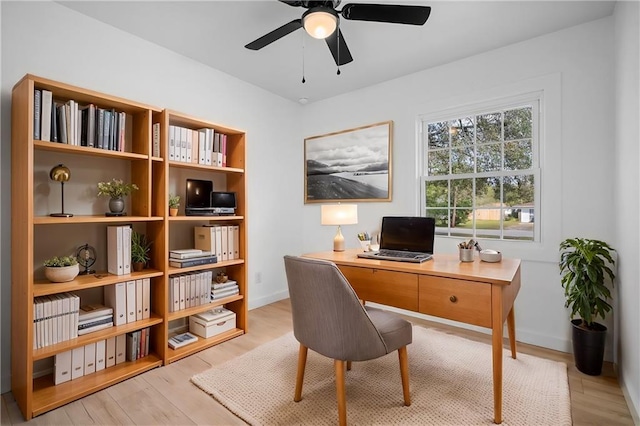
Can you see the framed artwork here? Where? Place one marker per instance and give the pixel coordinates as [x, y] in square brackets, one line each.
[351, 165]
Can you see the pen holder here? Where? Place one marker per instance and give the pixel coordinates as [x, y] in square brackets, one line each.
[466, 255]
[365, 244]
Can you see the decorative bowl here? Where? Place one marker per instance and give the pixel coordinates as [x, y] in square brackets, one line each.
[61, 274]
[490, 256]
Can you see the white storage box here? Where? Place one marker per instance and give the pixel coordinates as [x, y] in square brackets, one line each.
[208, 324]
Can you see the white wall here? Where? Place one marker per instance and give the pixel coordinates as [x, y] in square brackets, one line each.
[627, 205]
[580, 59]
[49, 40]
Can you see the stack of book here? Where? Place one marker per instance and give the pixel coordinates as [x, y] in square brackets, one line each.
[225, 289]
[93, 318]
[55, 319]
[137, 344]
[184, 258]
[180, 340]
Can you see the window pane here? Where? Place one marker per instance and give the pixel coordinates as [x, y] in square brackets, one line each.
[517, 124]
[518, 191]
[461, 193]
[438, 162]
[489, 158]
[517, 155]
[462, 160]
[489, 127]
[437, 193]
[519, 224]
[441, 216]
[461, 131]
[488, 222]
[438, 135]
[461, 222]
[488, 193]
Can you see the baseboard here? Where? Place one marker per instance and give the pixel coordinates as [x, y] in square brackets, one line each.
[630, 404]
[266, 300]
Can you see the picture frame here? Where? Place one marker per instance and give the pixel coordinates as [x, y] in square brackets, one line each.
[352, 165]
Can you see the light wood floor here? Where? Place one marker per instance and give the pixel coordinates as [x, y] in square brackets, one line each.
[166, 396]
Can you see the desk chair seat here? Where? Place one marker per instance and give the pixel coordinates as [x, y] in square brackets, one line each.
[328, 318]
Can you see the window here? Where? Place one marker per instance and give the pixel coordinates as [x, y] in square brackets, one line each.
[480, 171]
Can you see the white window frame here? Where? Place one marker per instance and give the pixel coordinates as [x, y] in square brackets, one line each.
[549, 214]
[531, 99]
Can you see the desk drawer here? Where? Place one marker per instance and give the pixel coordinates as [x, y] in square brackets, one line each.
[399, 289]
[458, 300]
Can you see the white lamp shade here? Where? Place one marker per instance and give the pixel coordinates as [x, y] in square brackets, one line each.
[339, 214]
[320, 25]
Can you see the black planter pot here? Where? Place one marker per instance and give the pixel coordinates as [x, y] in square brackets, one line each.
[588, 347]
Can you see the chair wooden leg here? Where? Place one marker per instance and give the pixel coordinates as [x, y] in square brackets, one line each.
[302, 362]
[404, 374]
[340, 392]
[348, 365]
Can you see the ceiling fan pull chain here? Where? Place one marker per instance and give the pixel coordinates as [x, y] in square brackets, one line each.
[303, 80]
[338, 40]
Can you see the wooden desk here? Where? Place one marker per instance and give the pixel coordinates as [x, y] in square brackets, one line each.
[477, 293]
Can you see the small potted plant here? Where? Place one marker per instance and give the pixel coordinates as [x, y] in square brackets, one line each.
[174, 205]
[116, 189]
[584, 265]
[61, 269]
[140, 248]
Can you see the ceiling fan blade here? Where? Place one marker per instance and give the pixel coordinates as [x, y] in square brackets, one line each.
[275, 35]
[294, 3]
[392, 13]
[342, 49]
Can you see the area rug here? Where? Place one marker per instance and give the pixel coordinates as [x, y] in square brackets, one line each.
[450, 376]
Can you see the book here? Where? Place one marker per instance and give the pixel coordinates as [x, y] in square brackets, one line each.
[222, 295]
[180, 340]
[62, 123]
[54, 123]
[37, 111]
[198, 253]
[226, 284]
[45, 116]
[88, 312]
[156, 140]
[224, 289]
[95, 328]
[185, 263]
[95, 322]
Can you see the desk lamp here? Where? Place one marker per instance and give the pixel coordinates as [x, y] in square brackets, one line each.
[339, 214]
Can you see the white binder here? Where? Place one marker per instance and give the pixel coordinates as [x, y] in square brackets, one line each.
[139, 292]
[101, 350]
[90, 358]
[62, 368]
[77, 363]
[121, 348]
[115, 296]
[110, 353]
[131, 301]
[146, 298]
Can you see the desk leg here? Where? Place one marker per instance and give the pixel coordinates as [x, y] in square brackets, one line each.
[511, 327]
[497, 372]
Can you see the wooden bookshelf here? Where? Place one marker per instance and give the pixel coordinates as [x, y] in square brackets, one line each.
[147, 211]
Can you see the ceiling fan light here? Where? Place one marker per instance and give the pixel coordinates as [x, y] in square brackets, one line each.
[320, 24]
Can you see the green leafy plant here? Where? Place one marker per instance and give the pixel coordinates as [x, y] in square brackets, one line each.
[140, 248]
[584, 263]
[59, 262]
[174, 201]
[116, 188]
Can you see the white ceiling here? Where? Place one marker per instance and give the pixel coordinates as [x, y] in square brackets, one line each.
[215, 32]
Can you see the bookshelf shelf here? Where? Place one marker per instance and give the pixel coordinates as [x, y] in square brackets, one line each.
[183, 313]
[47, 396]
[202, 343]
[81, 282]
[48, 220]
[144, 159]
[83, 340]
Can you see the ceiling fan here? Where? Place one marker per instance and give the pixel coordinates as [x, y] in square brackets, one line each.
[321, 21]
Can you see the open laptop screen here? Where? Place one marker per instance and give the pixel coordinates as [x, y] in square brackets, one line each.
[407, 233]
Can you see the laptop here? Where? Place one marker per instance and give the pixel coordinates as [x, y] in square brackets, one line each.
[405, 239]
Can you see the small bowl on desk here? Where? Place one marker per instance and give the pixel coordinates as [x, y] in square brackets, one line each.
[490, 256]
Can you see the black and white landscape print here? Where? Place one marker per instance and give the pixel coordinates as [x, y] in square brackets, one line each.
[351, 165]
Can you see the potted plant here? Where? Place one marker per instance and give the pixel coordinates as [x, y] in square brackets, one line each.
[174, 204]
[584, 266]
[116, 189]
[140, 248]
[61, 269]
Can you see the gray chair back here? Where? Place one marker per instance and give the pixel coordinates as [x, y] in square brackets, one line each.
[328, 317]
